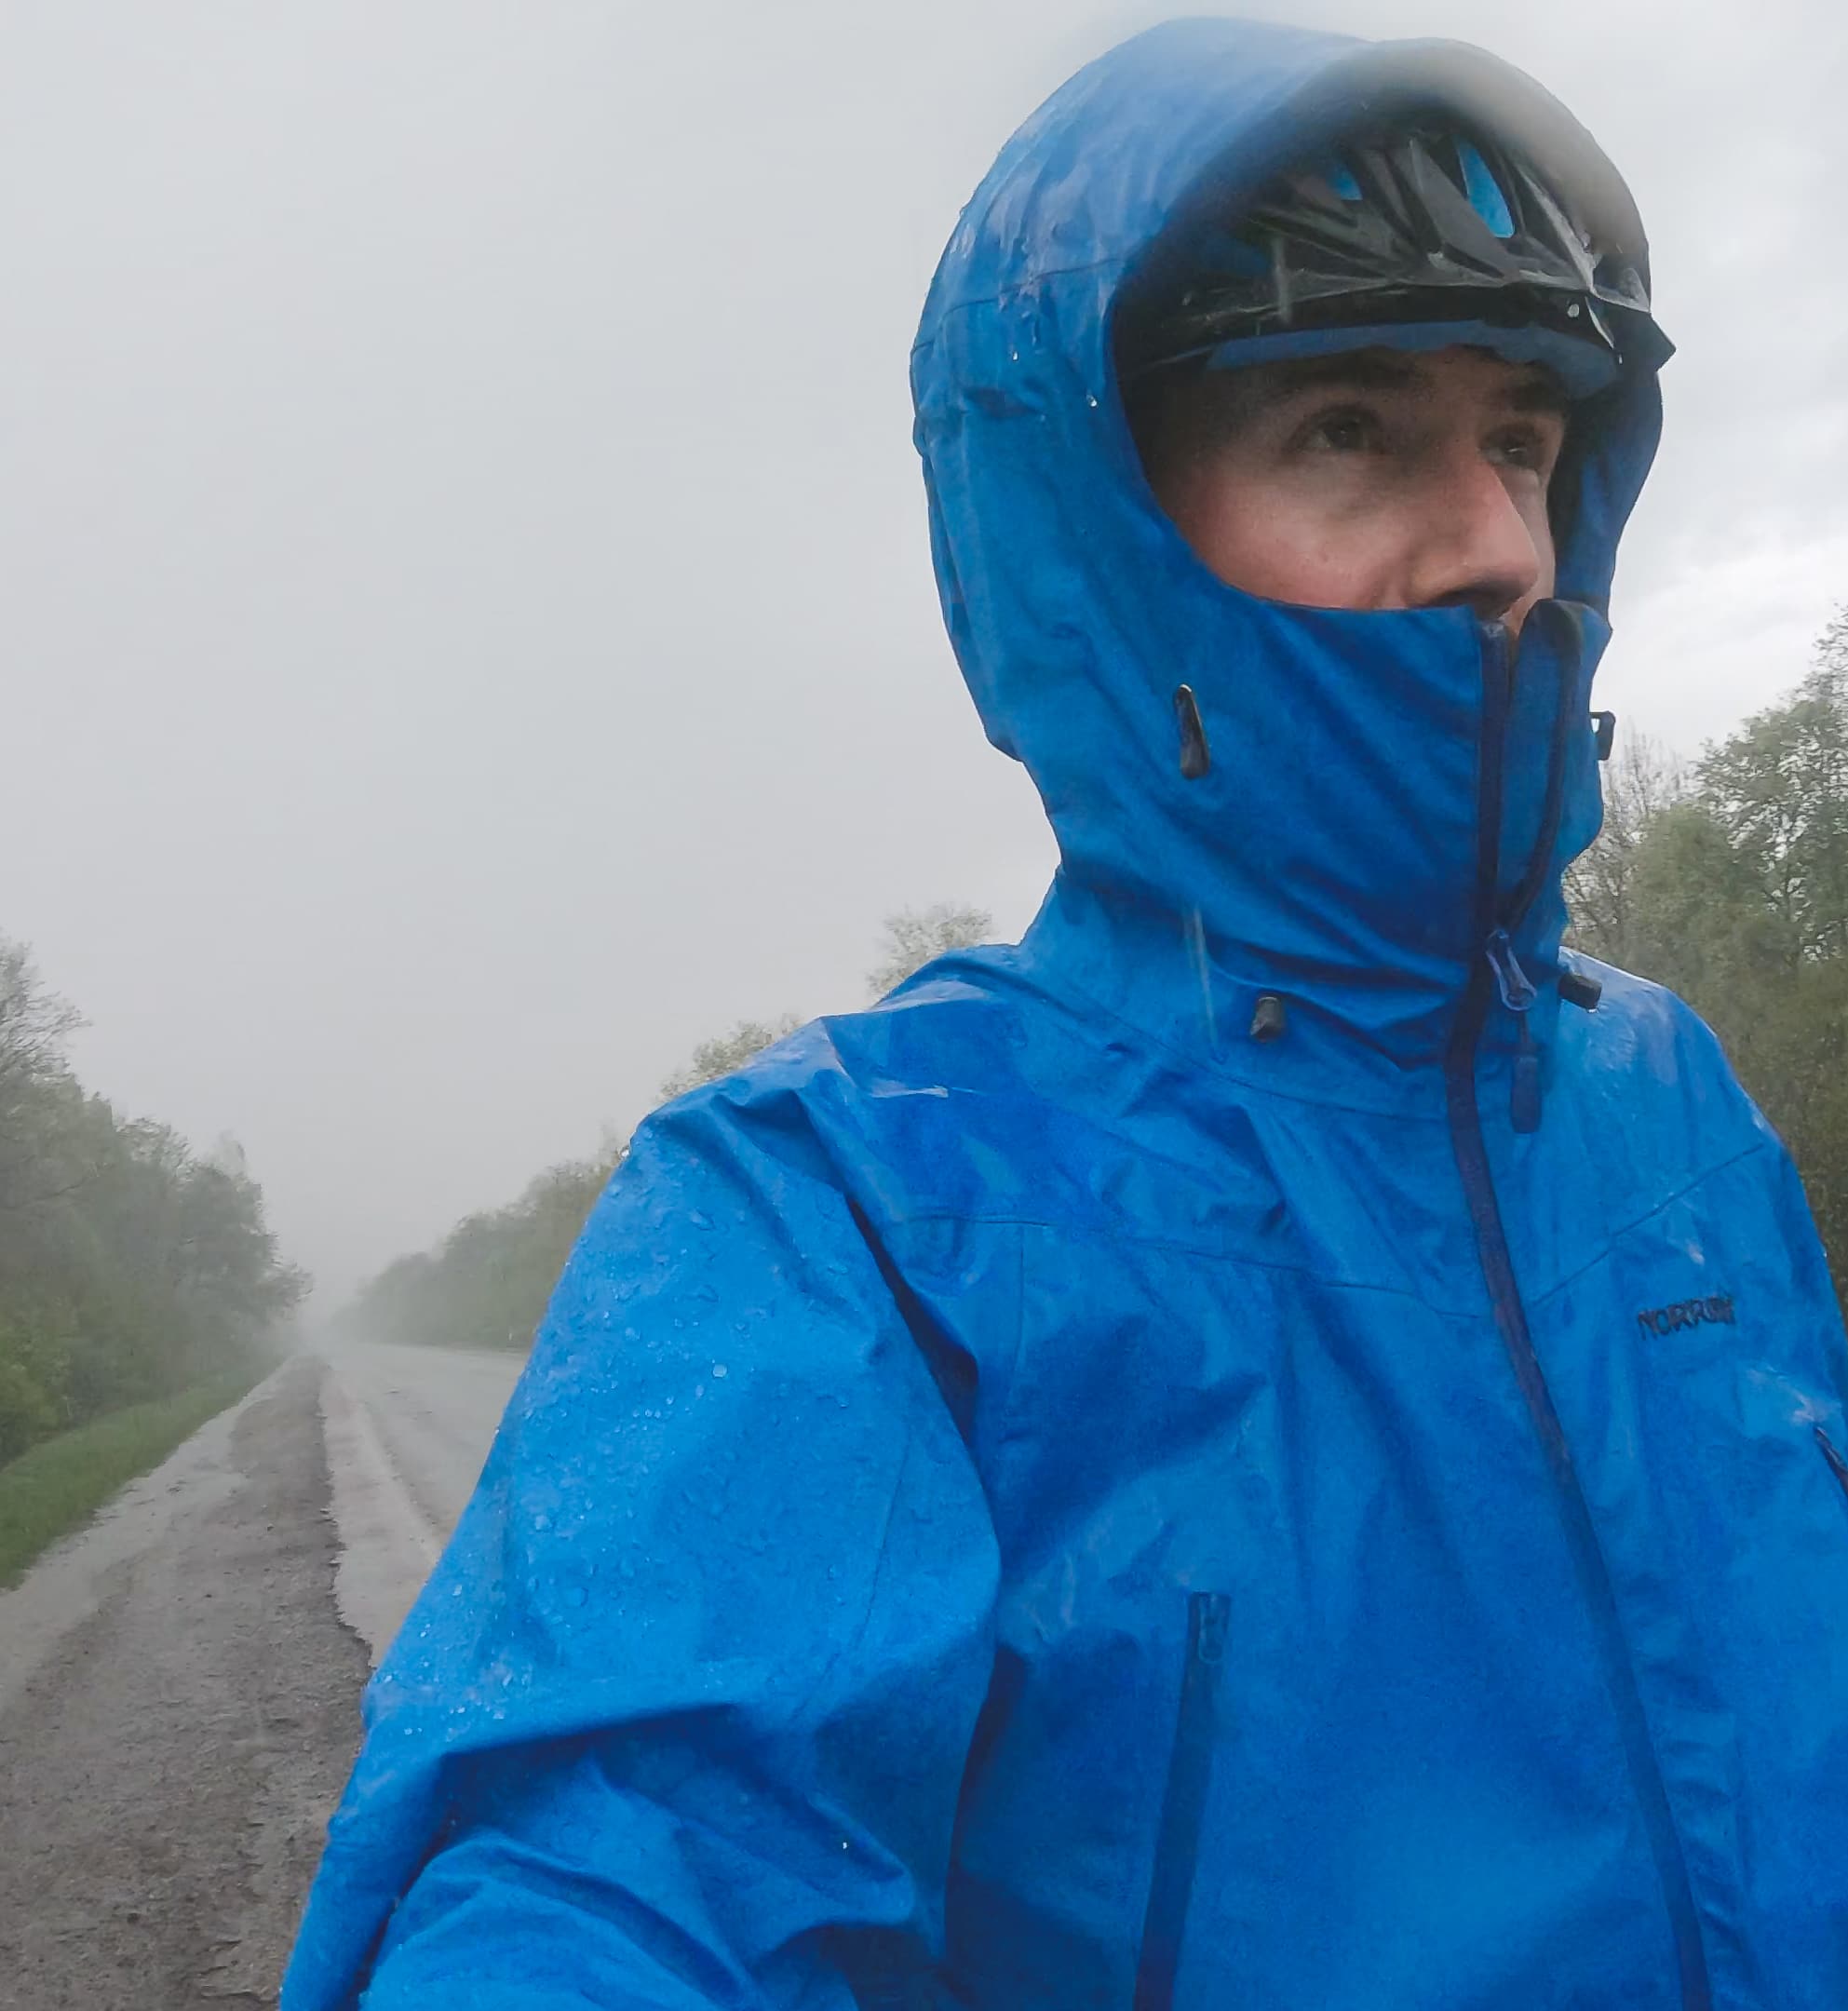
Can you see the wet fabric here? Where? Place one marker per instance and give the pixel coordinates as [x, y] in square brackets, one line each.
[1034, 1497]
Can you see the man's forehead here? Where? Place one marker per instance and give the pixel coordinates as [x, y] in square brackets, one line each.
[1526, 386]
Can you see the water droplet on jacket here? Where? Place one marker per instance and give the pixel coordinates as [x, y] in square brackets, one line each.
[699, 1220]
[575, 1595]
[720, 1371]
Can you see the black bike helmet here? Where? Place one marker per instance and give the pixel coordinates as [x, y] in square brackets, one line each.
[1415, 235]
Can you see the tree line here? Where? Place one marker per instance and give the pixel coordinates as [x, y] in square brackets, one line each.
[131, 1267]
[486, 1283]
[1727, 881]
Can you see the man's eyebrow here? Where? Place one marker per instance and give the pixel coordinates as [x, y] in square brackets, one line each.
[1381, 370]
[1540, 392]
[1358, 370]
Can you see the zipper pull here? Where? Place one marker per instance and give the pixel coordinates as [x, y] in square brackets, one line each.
[1515, 985]
[1519, 996]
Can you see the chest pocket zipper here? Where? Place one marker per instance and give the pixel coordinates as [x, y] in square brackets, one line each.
[1837, 1464]
[1183, 1801]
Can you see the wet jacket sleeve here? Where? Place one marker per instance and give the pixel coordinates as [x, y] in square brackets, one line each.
[680, 1719]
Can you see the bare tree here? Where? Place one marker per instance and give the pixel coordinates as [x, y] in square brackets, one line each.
[1643, 781]
[914, 936]
[726, 1052]
[34, 1024]
[37, 1163]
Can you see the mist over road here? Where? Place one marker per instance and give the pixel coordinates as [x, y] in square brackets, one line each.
[180, 1683]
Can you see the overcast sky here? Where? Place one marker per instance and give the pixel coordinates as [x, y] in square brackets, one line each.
[467, 628]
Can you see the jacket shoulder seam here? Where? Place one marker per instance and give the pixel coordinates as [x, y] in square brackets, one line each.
[1408, 1114]
[1212, 1252]
[1687, 1187]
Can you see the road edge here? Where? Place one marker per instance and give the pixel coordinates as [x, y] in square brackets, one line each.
[385, 1544]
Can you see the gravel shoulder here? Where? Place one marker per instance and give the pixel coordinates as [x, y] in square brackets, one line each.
[168, 1763]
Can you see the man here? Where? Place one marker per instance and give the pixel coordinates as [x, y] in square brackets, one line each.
[1270, 1446]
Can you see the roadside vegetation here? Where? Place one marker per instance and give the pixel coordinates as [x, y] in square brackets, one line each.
[134, 1272]
[486, 1283]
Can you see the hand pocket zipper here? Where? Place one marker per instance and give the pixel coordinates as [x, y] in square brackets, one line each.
[1183, 1801]
[1837, 1464]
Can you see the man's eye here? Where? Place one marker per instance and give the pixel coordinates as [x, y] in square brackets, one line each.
[1349, 430]
[1522, 447]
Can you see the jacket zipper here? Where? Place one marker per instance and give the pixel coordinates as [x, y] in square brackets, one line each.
[1183, 1802]
[1497, 970]
[1517, 990]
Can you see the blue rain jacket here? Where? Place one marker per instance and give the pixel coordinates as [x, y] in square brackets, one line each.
[1029, 1498]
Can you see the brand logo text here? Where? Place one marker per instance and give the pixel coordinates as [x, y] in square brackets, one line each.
[1715, 1312]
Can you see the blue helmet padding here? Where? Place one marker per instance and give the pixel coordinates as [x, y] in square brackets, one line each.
[1484, 192]
[1340, 177]
[1583, 368]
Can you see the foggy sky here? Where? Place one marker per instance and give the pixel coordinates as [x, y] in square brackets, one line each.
[467, 623]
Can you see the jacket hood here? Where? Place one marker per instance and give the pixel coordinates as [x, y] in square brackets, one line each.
[1381, 784]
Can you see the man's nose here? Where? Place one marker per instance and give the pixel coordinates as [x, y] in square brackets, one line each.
[1474, 547]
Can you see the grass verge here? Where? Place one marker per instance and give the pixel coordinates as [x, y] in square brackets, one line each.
[56, 1485]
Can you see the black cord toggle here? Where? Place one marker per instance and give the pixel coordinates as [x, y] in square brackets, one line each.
[1195, 757]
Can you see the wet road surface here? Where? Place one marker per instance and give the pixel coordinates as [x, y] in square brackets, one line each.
[180, 1685]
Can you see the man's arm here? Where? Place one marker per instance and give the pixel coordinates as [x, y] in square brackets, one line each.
[680, 1719]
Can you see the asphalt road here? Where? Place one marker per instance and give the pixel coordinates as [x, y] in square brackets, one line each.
[180, 1683]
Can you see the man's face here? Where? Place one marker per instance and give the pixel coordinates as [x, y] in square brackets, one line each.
[1378, 479]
